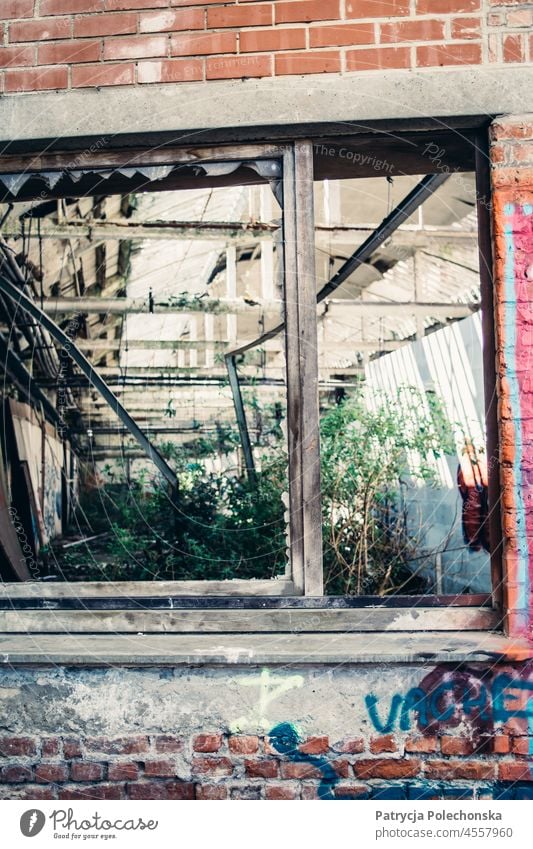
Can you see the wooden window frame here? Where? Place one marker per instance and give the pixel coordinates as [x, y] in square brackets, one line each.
[302, 586]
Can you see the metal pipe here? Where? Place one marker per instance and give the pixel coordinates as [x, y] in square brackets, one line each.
[8, 268]
[241, 420]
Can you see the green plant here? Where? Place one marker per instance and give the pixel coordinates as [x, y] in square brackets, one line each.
[370, 448]
[219, 525]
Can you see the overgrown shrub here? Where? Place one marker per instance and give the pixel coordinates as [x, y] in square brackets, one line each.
[219, 525]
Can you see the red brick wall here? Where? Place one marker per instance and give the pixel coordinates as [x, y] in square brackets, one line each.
[59, 44]
[215, 765]
[512, 185]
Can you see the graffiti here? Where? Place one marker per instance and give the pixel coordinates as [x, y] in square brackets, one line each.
[285, 739]
[517, 351]
[450, 697]
[271, 687]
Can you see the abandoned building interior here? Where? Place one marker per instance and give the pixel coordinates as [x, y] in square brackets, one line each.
[158, 361]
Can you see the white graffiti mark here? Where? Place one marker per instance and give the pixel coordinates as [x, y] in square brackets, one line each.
[270, 687]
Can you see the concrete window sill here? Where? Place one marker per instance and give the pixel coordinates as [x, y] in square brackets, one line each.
[258, 649]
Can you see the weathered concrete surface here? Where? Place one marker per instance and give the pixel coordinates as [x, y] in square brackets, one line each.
[337, 701]
[180, 109]
[253, 649]
[127, 701]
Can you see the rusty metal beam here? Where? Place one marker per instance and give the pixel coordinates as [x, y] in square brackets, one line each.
[10, 281]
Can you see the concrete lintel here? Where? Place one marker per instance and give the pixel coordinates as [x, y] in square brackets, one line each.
[277, 102]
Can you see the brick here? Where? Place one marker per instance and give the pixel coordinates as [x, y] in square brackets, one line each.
[307, 11]
[280, 791]
[51, 773]
[168, 743]
[261, 769]
[445, 7]
[69, 52]
[501, 744]
[309, 791]
[72, 748]
[266, 40]
[469, 770]
[351, 792]
[147, 790]
[522, 153]
[387, 768]
[239, 67]
[315, 746]
[239, 16]
[376, 8]
[456, 745]
[170, 70]
[212, 766]
[377, 59]
[243, 745]
[180, 789]
[86, 771]
[436, 55]
[17, 56]
[97, 791]
[127, 771]
[211, 791]
[36, 792]
[466, 28]
[106, 24]
[129, 5]
[12, 746]
[341, 35]
[522, 746]
[323, 62]
[350, 747]
[161, 790]
[136, 47]
[10, 9]
[50, 747]
[514, 771]
[342, 768]
[203, 44]
[207, 742]
[64, 7]
[162, 769]
[424, 745]
[521, 18]
[386, 743]
[426, 30]
[44, 30]
[299, 770]
[118, 746]
[15, 774]
[513, 48]
[169, 21]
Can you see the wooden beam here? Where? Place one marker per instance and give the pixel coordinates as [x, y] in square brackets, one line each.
[247, 620]
[302, 369]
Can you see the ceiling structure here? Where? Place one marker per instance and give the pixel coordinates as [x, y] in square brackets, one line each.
[156, 287]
